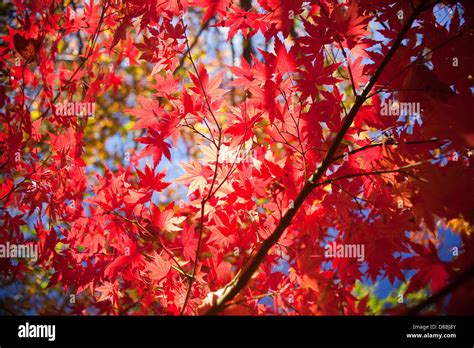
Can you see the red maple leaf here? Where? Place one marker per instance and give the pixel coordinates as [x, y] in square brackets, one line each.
[155, 146]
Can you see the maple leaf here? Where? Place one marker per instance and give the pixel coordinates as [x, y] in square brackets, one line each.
[245, 119]
[350, 24]
[430, 268]
[149, 179]
[27, 48]
[250, 23]
[315, 75]
[196, 176]
[213, 7]
[158, 269]
[149, 113]
[6, 187]
[223, 232]
[109, 292]
[280, 11]
[245, 75]
[205, 87]
[165, 220]
[155, 146]
[137, 197]
[285, 61]
[165, 86]
[129, 256]
[189, 243]
[357, 70]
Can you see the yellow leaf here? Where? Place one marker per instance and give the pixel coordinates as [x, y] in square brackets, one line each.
[460, 226]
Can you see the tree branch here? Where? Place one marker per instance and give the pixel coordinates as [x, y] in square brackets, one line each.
[213, 182]
[442, 293]
[240, 283]
[191, 46]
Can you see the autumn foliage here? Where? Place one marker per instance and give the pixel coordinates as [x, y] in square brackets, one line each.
[198, 157]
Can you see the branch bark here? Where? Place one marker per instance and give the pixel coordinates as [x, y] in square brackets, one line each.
[238, 284]
[213, 182]
[247, 43]
[467, 275]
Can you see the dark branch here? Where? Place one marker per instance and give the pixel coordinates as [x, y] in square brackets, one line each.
[240, 283]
